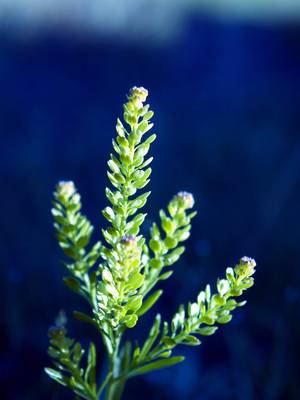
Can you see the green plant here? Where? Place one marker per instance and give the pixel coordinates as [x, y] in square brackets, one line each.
[118, 289]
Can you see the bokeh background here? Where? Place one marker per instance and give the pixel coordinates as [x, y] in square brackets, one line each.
[224, 83]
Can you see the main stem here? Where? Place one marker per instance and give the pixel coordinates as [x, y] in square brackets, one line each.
[115, 387]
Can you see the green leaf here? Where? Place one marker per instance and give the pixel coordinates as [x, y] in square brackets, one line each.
[155, 263]
[218, 299]
[167, 225]
[85, 318]
[207, 293]
[90, 374]
[147, 162]
[207, 330]
[122, 141]
[139, 184]
[126, 159]
[151, 338]
[57, 376]
[133, 320]
[193, 309]
[113, 181]
[207, 320]
[150, 138]
[169, 342]
[170, 242]
[108, 214]
[83, 241]
[154, 245]
[72, 283]
[119, 177]
[165, 354]
[165, 276]
[135, 281]
[119, 210]
[235, 292]
[113, 166]
[139, 219]
[193, 341]
[134, 303]
[224, 319]
[70, 252]
[149, 302]
[154, 366]
[171, 259]
[147, 116]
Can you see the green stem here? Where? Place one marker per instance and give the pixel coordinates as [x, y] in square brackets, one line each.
[115, 387]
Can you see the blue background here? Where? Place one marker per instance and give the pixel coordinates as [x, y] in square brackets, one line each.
[226, 100]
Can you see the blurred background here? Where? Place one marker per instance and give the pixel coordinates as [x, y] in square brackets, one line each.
[224, 83]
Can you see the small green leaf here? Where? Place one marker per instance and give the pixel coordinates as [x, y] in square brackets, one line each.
[119, 177]
[108, 214]
[139, 219]
[148, 115]
[219, 300]
[113, 166]
[83, 241]
[149, 302]
[90, 375]
[170, 242]
[165, 276]
[154, 366]
[150, 138]
[154, 245]
[122, 141]
[224, 319]
[169, 342]
[70, 252]
[126, 159]
[119, 210]
[138, 174]
[207, 293]
[207, 320]
[155, 263]
[134, 303]
[171, 259]
[135, 281]
[85, 318]
[193, 309]
[72, 283]
[222, 286]
[192, 340]
[235, 292]
[139, 184]
[207, 330]
[133, 320]
[113, 180]
[154, 331]
[112, 231]
[167, 225]
[57, 376]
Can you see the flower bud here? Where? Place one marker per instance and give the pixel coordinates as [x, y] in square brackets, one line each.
[246, 266]
[182, 200]
[57, 332]
[137, 95]
[65, 189]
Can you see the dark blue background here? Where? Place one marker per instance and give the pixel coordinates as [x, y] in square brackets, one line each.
[226, 99]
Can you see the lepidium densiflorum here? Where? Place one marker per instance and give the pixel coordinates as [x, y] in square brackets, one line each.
[119, 289]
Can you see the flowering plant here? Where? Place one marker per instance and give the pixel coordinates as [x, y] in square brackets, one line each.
[119, 290]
